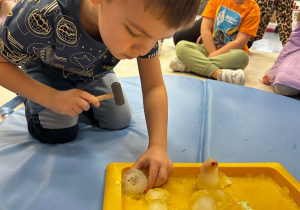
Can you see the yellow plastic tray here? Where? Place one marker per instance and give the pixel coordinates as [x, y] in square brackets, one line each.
[114, 197]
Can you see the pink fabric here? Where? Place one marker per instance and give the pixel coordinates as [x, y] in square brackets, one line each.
[286, 69]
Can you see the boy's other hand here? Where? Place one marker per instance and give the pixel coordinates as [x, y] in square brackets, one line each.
[213, 54]
[72, 102]
[159, 164]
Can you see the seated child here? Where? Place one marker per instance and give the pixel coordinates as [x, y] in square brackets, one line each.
[285, 73]
[226, 28]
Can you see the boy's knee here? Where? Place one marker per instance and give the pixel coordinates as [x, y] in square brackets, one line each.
[52, 136]
[241, 58]
[112, 117]
[116, 121]
[180, 48]
[49, 127]
[244, 57]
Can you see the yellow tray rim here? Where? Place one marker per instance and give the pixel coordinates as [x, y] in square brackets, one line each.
[113, 188]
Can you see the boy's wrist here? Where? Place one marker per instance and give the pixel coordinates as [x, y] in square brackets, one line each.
[46, 95]
[161, 145]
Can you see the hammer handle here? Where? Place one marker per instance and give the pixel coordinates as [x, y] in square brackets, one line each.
[105, 97]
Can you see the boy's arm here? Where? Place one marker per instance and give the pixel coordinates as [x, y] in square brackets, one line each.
[156, 113]
[206, 33]
[240, 42]
[70, 102]
[6, 7]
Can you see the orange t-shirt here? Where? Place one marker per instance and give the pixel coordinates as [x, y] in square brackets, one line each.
[229, 19]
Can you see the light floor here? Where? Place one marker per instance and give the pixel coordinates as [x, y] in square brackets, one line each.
[270, 43]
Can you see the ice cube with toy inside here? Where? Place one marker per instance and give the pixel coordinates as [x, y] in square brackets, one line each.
[210, 185]
[134, 182]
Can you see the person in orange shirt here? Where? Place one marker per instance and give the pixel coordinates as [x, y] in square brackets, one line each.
[226, 28]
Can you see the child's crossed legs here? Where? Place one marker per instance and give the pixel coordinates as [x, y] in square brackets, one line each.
[194, 57]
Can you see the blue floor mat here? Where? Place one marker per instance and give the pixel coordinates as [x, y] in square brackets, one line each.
[206, 119]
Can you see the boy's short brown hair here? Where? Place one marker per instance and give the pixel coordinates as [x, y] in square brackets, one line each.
[175, 13]
[298, 17]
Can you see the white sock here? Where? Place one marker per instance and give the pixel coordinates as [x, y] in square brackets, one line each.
[232, 76]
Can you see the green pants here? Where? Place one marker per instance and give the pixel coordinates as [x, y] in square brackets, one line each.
[194, 56]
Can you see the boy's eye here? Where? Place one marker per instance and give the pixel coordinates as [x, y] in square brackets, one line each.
[131, 33]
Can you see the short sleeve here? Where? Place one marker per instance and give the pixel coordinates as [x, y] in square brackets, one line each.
[250, 23]
[152, 53]
[210, 9]
[26, 31]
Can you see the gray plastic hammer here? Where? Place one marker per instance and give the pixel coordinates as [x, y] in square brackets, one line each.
[117, 94]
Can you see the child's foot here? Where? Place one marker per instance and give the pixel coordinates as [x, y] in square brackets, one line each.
[266, 80]
[285, 90]
[177, 65]
[232, 76]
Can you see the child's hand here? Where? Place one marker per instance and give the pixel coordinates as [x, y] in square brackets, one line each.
[159, 164]
[213, 54]
[72, 102]
[199, 39]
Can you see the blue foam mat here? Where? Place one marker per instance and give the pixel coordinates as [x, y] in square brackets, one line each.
[206, 119]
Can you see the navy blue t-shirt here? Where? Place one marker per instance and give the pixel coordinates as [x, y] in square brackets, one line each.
[51, 31]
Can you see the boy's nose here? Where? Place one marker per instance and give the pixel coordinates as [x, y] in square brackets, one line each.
[142, 49]
[138, 50]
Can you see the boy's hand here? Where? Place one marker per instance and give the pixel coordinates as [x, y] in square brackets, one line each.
[159, 164]
[199, 39]
[213, 54]
[72, 102]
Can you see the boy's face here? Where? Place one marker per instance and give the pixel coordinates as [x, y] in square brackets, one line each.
[127, 30]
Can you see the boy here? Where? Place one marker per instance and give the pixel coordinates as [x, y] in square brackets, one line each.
[69, 48]
[226, 28]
